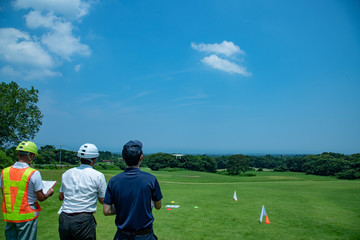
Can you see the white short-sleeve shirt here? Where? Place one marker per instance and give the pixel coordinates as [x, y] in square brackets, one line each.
[35, 183]
[82, 186]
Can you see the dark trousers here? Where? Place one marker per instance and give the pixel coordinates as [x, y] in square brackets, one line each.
[121, 235]
[77, 226]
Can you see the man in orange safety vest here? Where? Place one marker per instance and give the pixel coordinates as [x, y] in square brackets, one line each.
[22, 188]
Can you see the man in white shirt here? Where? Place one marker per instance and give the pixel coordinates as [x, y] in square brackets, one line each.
[81, 188]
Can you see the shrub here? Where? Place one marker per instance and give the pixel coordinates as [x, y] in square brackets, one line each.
[281, 168]
[168, 169]
[349, 174]
[105, 166]
[249, 174]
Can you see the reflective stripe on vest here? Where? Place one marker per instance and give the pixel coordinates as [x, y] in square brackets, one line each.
[15, 195]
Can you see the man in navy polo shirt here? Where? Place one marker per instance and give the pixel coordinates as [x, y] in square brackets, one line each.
[130, 194]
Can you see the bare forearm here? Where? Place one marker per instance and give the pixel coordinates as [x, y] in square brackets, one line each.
[157, 205]
[42, 197]
[109, 210]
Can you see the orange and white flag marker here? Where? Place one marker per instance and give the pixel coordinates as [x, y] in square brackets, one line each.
[263, 213]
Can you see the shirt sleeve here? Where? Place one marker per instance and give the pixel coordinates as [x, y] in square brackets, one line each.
[157, 195]
[37, 181]
[61, 186]
[102, 186]
[107, 199]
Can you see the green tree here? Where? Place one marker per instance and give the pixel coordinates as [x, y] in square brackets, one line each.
[69, 157]
[20, 116]
[5, 161]
[325, 164]
[190, 162]
[221, 161]
[105, 155]
[159, 160]
[47, 155]
[237, 163]
[11, 152]
[209, 163]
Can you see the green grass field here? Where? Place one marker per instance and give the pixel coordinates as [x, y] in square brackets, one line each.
[299, 207]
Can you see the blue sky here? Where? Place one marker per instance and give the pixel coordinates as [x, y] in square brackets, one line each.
[189, 76]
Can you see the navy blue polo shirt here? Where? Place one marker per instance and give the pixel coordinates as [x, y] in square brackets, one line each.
[131, 193]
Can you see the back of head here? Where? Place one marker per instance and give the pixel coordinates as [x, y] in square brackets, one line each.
[87, 152]
[132, 152]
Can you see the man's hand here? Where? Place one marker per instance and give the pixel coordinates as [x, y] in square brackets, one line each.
[108, 209]
[157, 205]
[42, 197]
[61, 196]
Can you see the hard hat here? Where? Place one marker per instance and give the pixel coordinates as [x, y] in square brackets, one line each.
[27, 146]
[88, 151]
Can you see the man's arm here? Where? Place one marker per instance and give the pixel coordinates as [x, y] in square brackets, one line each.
[108, 209]
[42, 197]
[101, 200]
[157, 205]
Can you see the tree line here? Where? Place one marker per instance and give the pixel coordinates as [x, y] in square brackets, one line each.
[325, 164]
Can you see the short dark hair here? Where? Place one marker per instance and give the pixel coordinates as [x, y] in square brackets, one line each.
[132, 152]
[85, 161]
[23, 153]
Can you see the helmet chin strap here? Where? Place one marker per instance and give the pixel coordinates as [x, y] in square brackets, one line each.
[28, 156]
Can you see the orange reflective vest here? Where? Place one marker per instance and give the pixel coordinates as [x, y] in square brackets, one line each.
[15, 205]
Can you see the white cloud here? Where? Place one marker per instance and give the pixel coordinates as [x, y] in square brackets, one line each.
[35, 19]
[77, 67]
[229, 51]
[73, 9]
[65, 45]
[37, 55]
[224, 65]
[59, 38]
[28, 74]
[226, 48]
[17, 47]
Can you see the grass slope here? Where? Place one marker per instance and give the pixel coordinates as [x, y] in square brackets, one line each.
[299, 207]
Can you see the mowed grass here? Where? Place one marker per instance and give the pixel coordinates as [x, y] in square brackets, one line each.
[299, 206]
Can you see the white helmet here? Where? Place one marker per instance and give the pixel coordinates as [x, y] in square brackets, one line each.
[88, 151]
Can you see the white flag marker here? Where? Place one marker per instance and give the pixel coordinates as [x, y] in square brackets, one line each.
[235, 197]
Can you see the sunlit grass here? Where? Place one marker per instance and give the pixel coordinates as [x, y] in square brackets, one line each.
[299, 206]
